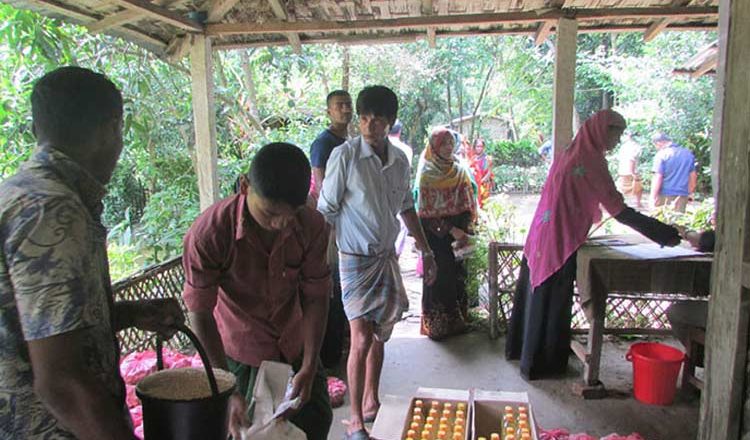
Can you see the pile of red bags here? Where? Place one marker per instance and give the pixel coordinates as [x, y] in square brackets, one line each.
[563, 434]
[140, 364]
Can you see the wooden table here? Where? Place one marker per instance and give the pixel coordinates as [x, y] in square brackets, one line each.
[607, 268]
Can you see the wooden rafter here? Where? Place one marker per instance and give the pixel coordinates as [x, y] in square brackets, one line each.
[707, 65]
[161, 14]
[452, 21]
[121, 18]
[280, 12]
[543, 32]
[658, 26]
[432, 37]
[219, 9]
[87, 18]
[415, 35]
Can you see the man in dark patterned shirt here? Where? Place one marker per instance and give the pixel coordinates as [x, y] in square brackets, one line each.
[59, 376]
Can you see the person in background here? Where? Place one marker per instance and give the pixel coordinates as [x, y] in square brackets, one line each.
[339, 109]
[578, 182]
[394, 137]
[674, 174]
[481, 164]
[545, 151]
[447, 207]
[59, 362]
[257, 285]
[366, 187]
[629, 182]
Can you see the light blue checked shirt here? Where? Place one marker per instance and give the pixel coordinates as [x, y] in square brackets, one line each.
[361, 197]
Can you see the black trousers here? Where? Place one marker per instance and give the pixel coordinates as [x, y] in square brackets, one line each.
[333, 340]
[539, 331]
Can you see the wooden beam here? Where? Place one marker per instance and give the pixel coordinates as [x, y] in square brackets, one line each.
[280, 12]
[565, 77]
[450, 21]
[86, 18]
[117, 19]
[656, 28]
[723, 402]
[123, 17]
[543, 32]
[161, 14]
[219, 9]
[432, 37]
[204, 118]
[709, 64]
[407, 37]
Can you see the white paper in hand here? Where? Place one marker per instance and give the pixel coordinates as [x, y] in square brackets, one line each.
[271, 394]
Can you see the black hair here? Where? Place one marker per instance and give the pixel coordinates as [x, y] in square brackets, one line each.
[70, 103]
[280, 172]
[377, 101]
[396, 129]
[336, 93]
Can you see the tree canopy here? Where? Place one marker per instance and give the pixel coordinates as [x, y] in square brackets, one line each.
[269, 94]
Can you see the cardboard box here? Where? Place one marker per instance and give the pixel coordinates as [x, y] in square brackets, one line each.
[487, 412]
[394, 416]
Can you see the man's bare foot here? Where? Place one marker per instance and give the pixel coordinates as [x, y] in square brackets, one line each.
[370, 412]
[353, 425]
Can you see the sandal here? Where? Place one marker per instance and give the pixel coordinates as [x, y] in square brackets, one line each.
[357, 435]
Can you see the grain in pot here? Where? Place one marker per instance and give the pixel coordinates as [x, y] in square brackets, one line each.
[183, 384]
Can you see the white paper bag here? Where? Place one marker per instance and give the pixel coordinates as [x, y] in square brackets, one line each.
[270, 393]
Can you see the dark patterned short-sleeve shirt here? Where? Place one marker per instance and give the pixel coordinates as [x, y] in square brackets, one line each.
[54, 279]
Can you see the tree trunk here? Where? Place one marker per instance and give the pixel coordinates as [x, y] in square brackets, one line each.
[460, 94]
[450, 113]
[480, 98]
[251, 103]
[345, 70]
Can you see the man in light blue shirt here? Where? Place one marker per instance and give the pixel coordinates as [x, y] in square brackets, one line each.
[674, 174]
[365, 187]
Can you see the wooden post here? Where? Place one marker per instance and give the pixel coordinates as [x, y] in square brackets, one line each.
[204, 118]
[565, 78]
[724, 400]
[492, 294]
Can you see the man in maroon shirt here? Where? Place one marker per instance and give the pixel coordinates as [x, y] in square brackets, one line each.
[257, 284]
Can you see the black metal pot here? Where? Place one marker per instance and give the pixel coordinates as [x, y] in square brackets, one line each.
[198, 419]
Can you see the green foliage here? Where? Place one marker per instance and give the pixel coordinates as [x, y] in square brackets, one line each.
[697, 218]
[496, 223]
[272, 94]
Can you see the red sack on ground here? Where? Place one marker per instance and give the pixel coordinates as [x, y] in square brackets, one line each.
[632, 436]
[336, 391]
[553, 434]
[581, 436]
[137, 365]
[130, 398]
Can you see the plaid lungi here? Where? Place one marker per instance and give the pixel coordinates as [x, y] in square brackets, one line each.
[372, 289]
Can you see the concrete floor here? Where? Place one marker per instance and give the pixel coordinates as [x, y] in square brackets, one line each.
[473, 360]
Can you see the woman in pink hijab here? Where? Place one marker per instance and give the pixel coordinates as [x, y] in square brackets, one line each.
[578, 183]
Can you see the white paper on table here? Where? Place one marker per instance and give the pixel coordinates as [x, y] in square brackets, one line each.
[652, 251]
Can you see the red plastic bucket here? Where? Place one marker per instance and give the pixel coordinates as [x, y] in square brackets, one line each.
[655, 371]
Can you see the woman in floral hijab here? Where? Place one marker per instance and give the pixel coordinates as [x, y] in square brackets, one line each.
[446, 205]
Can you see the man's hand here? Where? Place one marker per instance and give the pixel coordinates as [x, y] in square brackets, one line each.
[430, 268]
[302, 383]
[161, 315]
[238, 419]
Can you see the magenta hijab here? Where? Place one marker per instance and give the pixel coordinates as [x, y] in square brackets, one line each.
[578, 182]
